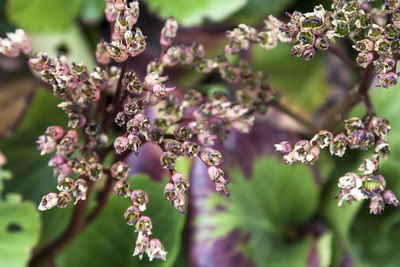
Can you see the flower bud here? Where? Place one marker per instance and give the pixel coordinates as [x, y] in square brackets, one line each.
[364, 45]
[204, 65]
[80, 71]
[181, 183]
[174, 147]
[102, 55]
[120, 170]
[120, 119]
[190, 149]
[142, 243]
[211, 157]
[117, 51]
[56, 160]
[95, 171]
[131, 83]
[45, 144]
[382, 148]
[380, 127]
[121, 144]
[131, 108]
[376, 205]
[121, 188]
[135, 42]
[312, 155]
[132, 215]
[369, 166]
[217, 176]
[139, 198]
[338, 145]
[301, 149]
[167, 160]
[65, 184]
[48, 201]
[176, 198]
[364, 59]
[390, 198]
[373, 184]
[387, 80]
[350, 180]
[168, 32]
[64, 198]
[382, 47]
[156, 250]
[81, 189]
[322, 139]
[144, 225]
[39, 61]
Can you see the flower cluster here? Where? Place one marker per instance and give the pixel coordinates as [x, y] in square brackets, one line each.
[184, 126]
[357, 134]
[15, 43]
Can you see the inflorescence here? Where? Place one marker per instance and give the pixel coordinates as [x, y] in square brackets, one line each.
[188, 126]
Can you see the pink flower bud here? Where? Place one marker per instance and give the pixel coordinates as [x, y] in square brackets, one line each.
[139, 198]
[390, 198]
[132, 215]
[121, 144]
[48, 201]
[156, 250]
[120, 170]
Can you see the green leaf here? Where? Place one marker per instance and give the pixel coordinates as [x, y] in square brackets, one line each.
[303, 83]
[109, 241]
[19, 231]
[92, 10]
[43, 15]
[267, 206]
[256, 10]
[19, 227]
[192, 13]
[324, 246]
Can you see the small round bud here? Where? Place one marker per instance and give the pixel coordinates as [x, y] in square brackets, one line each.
[121, 144]
[132, 215]
[139, 198]
[48, 201]
[121, 188]
[95, 171]
[338, 145]
[167, 160]
[390, 198]
[369, 165]
[376, 205]
[144, 225]
[64, 198]
[190, 149]
[120, 170]
[66, 184]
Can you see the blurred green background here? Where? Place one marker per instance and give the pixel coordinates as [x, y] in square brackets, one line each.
[276, 216]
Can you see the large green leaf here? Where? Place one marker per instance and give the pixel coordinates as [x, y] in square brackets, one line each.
[43, 15]
[191, 13]
[267, 206]
[109, 241]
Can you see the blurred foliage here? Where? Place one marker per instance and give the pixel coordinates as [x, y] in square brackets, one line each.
[192, 13]
[43, 15]
[19, 227]
[303, 83]
[111, 241]
[267, 206]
